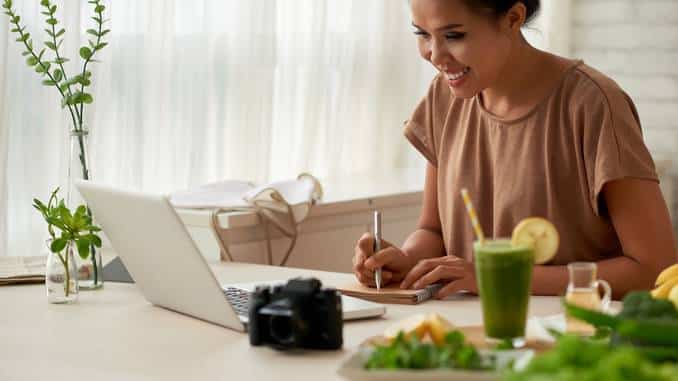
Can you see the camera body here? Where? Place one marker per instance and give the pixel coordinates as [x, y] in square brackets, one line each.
[300, 314]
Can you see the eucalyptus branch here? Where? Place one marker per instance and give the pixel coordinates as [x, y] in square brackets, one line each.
[60, 73]
[88, 52]
[35, 60]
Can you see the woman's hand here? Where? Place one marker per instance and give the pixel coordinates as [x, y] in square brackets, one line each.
[458, 273]
[393, 262]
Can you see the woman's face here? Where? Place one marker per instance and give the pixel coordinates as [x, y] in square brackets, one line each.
[470, 48]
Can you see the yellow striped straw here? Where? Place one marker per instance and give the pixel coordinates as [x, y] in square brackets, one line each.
[473, 215]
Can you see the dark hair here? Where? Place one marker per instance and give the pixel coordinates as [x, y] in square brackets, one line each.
[500, 7]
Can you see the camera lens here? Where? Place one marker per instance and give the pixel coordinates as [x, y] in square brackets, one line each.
[282, 330]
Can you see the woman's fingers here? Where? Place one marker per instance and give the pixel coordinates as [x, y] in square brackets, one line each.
[383, 258]
[421, 268]
[441, 272]
[453, 287]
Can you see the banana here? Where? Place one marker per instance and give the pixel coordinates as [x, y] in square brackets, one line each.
[673, 296]
[662, 292]
[668, 273]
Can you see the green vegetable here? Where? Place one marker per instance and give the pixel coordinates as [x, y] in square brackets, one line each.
[650, 331]
[640, 305]
[410, 353]
[578, 359]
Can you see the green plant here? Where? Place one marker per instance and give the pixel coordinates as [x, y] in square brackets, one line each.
[74, 227]
[71, 97]
[49, 62]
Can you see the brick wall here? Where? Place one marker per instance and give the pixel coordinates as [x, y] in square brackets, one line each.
[636, 43]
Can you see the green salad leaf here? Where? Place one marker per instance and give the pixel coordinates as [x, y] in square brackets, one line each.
[410, 353]
[578, 359]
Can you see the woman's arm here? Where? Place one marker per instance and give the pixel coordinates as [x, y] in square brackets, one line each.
[641, 219]
[427, 240]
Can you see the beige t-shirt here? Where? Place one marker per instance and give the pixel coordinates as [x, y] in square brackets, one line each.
[553, 162]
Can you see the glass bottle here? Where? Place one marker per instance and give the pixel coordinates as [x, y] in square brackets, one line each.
[61, 278]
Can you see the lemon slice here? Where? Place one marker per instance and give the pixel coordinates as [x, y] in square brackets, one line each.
[539, 234]
[438, 328]
[414, 325]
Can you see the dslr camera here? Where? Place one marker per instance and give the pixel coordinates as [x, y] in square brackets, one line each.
[300, 314]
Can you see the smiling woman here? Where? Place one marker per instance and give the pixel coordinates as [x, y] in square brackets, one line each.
[528, 133]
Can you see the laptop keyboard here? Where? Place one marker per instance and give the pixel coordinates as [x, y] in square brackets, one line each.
[239, 299]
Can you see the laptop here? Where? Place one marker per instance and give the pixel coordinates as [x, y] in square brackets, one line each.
[159, 253]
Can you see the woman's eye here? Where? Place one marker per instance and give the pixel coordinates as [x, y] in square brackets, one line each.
[455, 35]
[421, 33]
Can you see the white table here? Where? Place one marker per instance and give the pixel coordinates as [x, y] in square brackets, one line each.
[114, 334]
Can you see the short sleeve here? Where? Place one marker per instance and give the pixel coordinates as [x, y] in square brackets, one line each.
[613, 143]
[424, 126]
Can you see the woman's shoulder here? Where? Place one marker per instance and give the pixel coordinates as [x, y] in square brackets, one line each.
[587, 88]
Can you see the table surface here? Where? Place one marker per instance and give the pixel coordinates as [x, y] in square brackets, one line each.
[115, 334]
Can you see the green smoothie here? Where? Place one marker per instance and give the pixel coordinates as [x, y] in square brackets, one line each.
[504, 274]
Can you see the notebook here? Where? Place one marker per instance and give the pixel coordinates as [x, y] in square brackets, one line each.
[21, 270]
[391, 294]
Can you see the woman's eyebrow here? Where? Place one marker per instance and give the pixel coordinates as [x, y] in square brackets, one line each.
[446, 27]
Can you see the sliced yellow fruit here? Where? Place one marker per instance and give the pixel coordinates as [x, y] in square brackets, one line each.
[438, 328]
[673, 296]
[662, 292]
[668, 273]
[539, 234]
[417, 325]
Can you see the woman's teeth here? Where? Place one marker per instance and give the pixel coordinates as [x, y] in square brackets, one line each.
[455, 76]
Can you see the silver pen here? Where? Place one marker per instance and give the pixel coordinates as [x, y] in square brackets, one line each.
[377, 246]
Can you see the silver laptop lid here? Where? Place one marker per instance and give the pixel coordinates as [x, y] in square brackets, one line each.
[146, 232]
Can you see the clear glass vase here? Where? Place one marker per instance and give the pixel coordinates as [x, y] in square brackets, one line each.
[89, 268]
[61, 279]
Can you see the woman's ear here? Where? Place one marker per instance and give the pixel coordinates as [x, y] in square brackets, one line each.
[515, 17]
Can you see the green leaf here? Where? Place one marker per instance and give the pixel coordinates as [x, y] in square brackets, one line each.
[16, 19]
[91, 44]
[50, 45]
[101, 46]
[48, 82]
[31, 61]
[85, 52]
[53, 8]
[97, 19]
[15, 30]
[61, 60]
[49, 32]
[44, 3]
[87, 98]
[58, 245]
[41, 54]
[95, 240]
[52, 21]
[25, 53]
[58, 75]
[105, 32]
[42, 67]
[88, 74]
[93, 32]
[83, 247]
[99, 8]
[81, 211]
[23, 38]
[60, 33]
[46, 13]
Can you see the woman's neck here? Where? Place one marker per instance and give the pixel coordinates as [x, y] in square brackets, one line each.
[525, 79]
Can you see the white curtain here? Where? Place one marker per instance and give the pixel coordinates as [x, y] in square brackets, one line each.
[190, 92]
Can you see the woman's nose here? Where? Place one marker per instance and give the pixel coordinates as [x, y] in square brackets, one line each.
[439, 53]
